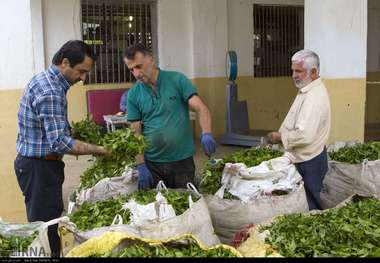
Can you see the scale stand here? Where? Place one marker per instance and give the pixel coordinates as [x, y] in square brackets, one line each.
[237, 123]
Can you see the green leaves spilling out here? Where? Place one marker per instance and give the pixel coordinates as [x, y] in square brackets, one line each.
[212, 174]
[86, 130]
[357, 154]
[124, 147]
[349, 231]
[14, 244]
[170, 250]
[102, 213]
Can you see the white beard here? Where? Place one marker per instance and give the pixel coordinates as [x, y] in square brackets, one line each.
[303, 83]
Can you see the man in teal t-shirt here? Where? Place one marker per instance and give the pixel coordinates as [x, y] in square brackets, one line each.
[158, 107]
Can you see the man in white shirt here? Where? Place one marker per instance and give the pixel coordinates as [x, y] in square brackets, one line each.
[306, 128]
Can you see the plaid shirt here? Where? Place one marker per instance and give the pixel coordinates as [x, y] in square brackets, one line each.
[42, 117]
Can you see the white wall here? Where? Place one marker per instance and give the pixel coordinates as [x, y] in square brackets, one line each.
[210, 37]
[337, 31]
[240, 29]
[373, 45]
[175, 35]
[62, 22]
[16, 45]
[192, 36]
[38, 35]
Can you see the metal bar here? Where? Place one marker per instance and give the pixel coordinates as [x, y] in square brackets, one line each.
[278, 26]
[101, 44]
[94, 37]
[105, 7]
[90, 74]
[112, 44]
[261, 30]
[117, 43]
[124, 39]
[146, 31]
[254, 42]
[265, 23]
[269, 32]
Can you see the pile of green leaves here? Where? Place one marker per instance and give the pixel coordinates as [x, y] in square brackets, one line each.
[350, 231]
[101, 213]
[124, 146]
[166, 251]
[86, 130]
[212, 174]
[357, 154]
[15, 244]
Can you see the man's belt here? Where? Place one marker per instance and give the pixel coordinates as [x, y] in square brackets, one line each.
[49, 157]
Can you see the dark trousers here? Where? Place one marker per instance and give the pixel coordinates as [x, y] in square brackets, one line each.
[313, 172]
[174, 174]
[41, 184]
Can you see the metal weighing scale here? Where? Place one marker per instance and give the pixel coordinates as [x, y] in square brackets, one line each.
[237, 123]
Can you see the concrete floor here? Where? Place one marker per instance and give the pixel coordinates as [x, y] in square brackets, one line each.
[75, 167]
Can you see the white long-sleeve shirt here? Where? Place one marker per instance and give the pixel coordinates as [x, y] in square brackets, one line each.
[306, 127]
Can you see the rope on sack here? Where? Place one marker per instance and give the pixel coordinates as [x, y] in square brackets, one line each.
[364, 169]
[193, 189]
[161, 186]
[117, 220]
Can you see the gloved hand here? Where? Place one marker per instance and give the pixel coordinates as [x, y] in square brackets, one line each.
[208, 143]
[145, 180]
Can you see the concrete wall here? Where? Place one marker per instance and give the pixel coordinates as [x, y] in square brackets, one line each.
[16, 65]
[337, 31]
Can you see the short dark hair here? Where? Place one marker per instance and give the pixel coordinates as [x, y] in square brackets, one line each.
[75, 51]
[131, 51]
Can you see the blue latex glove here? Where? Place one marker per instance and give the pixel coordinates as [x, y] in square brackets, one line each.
[145, 180]
[208, 143]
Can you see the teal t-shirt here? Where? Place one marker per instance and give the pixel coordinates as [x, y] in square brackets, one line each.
[165, 116]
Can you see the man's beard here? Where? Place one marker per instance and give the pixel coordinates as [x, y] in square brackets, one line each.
[303, 83]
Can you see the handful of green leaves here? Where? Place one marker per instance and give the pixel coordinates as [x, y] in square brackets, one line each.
[102, 213]
[86, 130]
[124, 146]
[170, 250]
[349, 231]
[212, 174]
[14, 244]
[357, 154]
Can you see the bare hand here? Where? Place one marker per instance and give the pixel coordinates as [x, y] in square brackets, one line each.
[104, 152]
[274, 137]
[120, 113]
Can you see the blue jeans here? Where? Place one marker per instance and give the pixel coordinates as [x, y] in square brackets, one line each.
[41, 184]
[313, 172]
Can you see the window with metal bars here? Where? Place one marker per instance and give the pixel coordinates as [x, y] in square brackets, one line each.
[110, 26]
[278, 34]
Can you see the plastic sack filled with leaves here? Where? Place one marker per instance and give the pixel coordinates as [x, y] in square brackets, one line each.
[354, 168]
[356, 154]
[350, 230]
[212, 174]
[102, 213]
[182, 211]
[15, 239]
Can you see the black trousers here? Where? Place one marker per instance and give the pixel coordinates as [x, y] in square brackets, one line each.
[313, 172]
[41, 184]
[174, 174]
